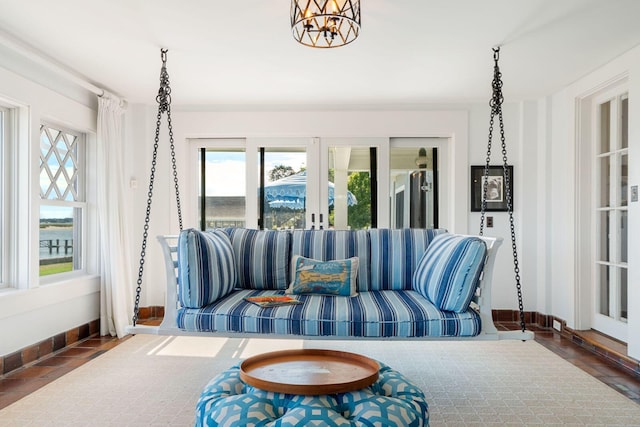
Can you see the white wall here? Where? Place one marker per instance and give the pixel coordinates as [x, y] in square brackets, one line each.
[32, 311]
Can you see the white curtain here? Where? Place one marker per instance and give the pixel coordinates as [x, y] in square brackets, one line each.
[117, 282]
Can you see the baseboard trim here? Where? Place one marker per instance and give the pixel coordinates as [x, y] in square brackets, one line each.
[46, 347]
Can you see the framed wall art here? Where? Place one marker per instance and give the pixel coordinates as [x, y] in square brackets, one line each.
[496, 189]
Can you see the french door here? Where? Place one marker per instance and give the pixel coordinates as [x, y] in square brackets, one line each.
[288, 183]
[610, 311]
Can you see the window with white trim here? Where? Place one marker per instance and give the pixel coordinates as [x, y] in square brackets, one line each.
[62, 200]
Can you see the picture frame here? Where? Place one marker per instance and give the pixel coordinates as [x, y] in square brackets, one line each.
[496, 189]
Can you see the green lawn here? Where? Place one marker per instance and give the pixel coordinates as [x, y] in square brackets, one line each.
[46, 270]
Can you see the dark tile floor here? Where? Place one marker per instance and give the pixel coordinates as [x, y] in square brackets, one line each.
[19, 383]
[22, 381]
[616, 377]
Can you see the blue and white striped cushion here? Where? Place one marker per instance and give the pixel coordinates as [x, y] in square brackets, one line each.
[206, 270]
[369, 314]
[395, 255]
[448, 272]
[262, 257]
[329, 245]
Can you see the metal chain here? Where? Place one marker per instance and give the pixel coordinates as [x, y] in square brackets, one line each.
[164, 105]
[486, 175]
[496, 109]
[173, 166]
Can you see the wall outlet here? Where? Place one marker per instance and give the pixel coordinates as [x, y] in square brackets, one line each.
[557, 326]
[489, 222]
[634, 193]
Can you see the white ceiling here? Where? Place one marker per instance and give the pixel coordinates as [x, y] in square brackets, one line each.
[237, 54]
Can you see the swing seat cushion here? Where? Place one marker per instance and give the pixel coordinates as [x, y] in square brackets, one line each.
[392, 401]
[449, 271]
[206, 270]
[375, 314]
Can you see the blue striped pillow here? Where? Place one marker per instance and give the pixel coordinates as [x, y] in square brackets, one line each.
[262, 257]
[395, 255]
[206, 271]
[449, 271]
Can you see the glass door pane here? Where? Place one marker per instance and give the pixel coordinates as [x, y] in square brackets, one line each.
[623, 294]
[605, 181]
[223, 182]
[605, 127]
[285, 201]
[624, 177]
[623, 238]
[349, 192]
[413, 187]
[624, 118]
[604, 236]
[604, 290]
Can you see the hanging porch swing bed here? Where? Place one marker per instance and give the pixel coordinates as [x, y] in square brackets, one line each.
[379, 283]
[354, 284]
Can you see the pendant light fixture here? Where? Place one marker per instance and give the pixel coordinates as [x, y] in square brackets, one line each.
[325, 23]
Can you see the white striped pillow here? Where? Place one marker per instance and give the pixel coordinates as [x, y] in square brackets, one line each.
[449, 271]
[206, 267]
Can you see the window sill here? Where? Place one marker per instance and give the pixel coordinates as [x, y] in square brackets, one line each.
[14, 302]
[60, 278]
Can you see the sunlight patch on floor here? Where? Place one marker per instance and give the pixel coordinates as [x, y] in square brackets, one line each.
[236, 348]
[189, 346]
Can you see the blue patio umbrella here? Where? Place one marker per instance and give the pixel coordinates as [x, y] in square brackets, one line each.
[290, 192]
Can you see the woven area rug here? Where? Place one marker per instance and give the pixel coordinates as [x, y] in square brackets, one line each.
[149, 380]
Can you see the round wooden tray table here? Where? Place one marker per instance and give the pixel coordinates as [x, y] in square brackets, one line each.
[309, 371]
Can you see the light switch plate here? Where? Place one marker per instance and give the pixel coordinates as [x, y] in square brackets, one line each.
[634, 193]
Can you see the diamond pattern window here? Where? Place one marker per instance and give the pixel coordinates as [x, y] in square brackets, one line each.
[62, 200]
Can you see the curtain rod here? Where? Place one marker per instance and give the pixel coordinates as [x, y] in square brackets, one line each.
[41, 58]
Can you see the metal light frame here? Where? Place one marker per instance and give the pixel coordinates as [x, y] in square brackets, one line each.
[325, 23]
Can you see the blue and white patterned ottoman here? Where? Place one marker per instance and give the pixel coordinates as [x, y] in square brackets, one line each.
[392, 401]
